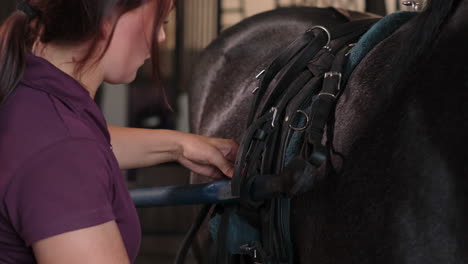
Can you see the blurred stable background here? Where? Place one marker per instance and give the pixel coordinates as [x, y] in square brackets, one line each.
[192, 27]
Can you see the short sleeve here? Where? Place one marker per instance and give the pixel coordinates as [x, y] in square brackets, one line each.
[65, 187]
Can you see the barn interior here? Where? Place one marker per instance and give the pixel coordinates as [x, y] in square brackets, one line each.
[193, 25]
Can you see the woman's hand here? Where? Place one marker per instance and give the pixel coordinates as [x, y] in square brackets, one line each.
[212, 157]
[139, 148]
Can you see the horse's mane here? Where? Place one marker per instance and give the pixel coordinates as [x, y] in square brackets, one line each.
[419, 44]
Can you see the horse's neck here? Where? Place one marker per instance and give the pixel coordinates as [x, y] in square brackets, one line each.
[367, 94]
[458, 22]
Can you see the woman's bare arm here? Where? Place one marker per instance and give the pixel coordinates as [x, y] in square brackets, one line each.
[100, 244]
[137, 148]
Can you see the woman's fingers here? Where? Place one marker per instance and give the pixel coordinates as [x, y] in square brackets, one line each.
[228, 147]
[217, 159]
[233, 148]
[202, 169]
[207, 156]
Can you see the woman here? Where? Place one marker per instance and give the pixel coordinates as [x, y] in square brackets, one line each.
[63, 197]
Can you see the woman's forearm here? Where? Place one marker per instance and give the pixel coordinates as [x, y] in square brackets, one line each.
[137, 148]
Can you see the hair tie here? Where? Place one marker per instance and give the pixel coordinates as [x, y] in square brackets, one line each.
[27, 9]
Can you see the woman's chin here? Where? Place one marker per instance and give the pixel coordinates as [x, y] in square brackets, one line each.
[122, 79]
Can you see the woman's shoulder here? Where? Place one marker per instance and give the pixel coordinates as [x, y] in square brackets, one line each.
[32, 120]
[32, 114]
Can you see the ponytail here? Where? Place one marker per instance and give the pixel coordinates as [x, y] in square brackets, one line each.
[13, 42]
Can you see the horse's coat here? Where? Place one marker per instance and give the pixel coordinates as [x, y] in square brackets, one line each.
[400, 195]
[232, 62]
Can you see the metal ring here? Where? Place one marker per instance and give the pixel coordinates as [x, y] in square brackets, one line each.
[326, 31]
[306, 124]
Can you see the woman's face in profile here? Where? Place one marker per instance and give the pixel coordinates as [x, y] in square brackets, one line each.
[131, 44]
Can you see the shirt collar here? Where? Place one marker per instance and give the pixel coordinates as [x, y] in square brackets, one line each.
[41, 74]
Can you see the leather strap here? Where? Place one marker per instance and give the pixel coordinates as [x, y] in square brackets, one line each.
[259, 148]
[321, 110]
[351, 30]
[281, 61]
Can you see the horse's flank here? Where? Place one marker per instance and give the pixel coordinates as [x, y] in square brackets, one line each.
[400, 195]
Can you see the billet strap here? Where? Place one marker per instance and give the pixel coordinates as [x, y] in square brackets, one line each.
[257, 136]
[299, 83]
[242, 163]
[297, 66]
[349, 30]
[279, 63]
[321, 109]
[299, 176]
[254, 135]
[252, 146]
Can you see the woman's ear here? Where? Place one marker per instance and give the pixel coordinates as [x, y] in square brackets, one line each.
[109, 24]
[107, 28]
[37, 30]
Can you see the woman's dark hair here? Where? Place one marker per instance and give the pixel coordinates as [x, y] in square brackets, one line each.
[64, 22]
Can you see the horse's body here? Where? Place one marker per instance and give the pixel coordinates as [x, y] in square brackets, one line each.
[225, 75]
[400, 194]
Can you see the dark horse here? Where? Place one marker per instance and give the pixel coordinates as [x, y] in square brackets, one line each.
[400, 193]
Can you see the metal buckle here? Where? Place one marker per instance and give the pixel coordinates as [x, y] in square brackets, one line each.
[306, 124]
[351, 46]
[330, 75]
[327, 46]
[258, 77]
[250, 250]
[274, 110]
[260, 74]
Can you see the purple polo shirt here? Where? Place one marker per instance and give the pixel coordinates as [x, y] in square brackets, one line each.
[57, 169]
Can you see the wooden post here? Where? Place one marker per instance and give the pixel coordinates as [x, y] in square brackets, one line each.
[6, 7]
[376, 7]
[219, 17]
[178, 72]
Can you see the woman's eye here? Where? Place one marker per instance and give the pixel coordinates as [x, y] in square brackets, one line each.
[166, 22]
